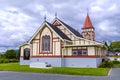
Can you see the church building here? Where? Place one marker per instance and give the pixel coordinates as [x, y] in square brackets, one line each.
[61, 45]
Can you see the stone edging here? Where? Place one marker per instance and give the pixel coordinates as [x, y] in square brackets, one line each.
[109, 72]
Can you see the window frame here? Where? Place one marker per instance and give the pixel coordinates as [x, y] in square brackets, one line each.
[81, 53]
[84, 50]
[24, 54]
[46, 43]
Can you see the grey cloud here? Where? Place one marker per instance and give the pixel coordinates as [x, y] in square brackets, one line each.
[71, 12]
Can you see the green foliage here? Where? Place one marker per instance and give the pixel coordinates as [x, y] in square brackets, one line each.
[109, 48]
[11, 54]
[4, 60]
[18, 54]
[2, 56]
[116, 62]
[115, 46]
[106, 64]
[105, 43]
[8, 60]
[118, 65]
[71, 71]
[13, 60]
[1, 60]
[109, 64]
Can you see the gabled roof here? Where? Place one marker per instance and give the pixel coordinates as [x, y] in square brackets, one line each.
[23, 44]
[76, 33]
[54, 28]
[58, 31]
[87, 23]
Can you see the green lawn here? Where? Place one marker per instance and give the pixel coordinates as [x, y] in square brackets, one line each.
[116, 66]
[71, 71]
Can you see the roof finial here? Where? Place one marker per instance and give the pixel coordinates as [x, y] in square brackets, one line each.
[55, 14]
[87, 11]
[45, 17]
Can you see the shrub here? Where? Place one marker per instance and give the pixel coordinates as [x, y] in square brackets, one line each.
[1, 60]
[13, 60]
[116, 62]
[8, 60]
[106, 64]
[5, 60]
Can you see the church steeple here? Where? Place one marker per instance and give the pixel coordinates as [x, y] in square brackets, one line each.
[88, 29]
[87, 23]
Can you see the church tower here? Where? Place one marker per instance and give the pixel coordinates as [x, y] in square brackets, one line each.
[88, 29]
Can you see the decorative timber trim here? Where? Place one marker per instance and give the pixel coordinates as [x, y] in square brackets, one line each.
[71, 56]
[81, 56]
[45, 57]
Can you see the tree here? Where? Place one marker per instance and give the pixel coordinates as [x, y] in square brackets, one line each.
[11, 54]
[115, 46]
[18, 54]
[2, 56]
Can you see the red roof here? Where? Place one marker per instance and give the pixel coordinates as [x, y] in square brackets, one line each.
[87, 23]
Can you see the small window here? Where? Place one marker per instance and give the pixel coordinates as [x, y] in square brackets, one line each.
[26, 54]
[74, 52]
[79, 52]
[84, 52]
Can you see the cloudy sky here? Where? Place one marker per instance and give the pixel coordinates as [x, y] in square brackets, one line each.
[19, 19]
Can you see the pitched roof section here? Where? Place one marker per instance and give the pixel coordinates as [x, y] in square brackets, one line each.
[87, 23]
[58, 31]
[54, 28]
[76, 33]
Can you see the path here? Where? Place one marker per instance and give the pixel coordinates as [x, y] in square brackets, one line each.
[8, 75]
[115, 74]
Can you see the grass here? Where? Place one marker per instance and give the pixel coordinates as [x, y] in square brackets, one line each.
[116, 66]
[63, 70]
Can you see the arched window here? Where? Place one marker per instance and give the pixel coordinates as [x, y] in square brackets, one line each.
[46, 43]
[26, 54]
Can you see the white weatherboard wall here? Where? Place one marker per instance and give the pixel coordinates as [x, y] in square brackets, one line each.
[57, 48]
[24, 62]
[69, 51]
[38, 65]
[81, 62]
[99, 60]
[66, 62]
[55, 62]
[34, 49]
[91, 51]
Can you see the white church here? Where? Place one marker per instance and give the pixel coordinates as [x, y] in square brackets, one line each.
[61, 45]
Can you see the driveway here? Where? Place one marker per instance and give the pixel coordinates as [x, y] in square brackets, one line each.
[114, 74]
[8, 75]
